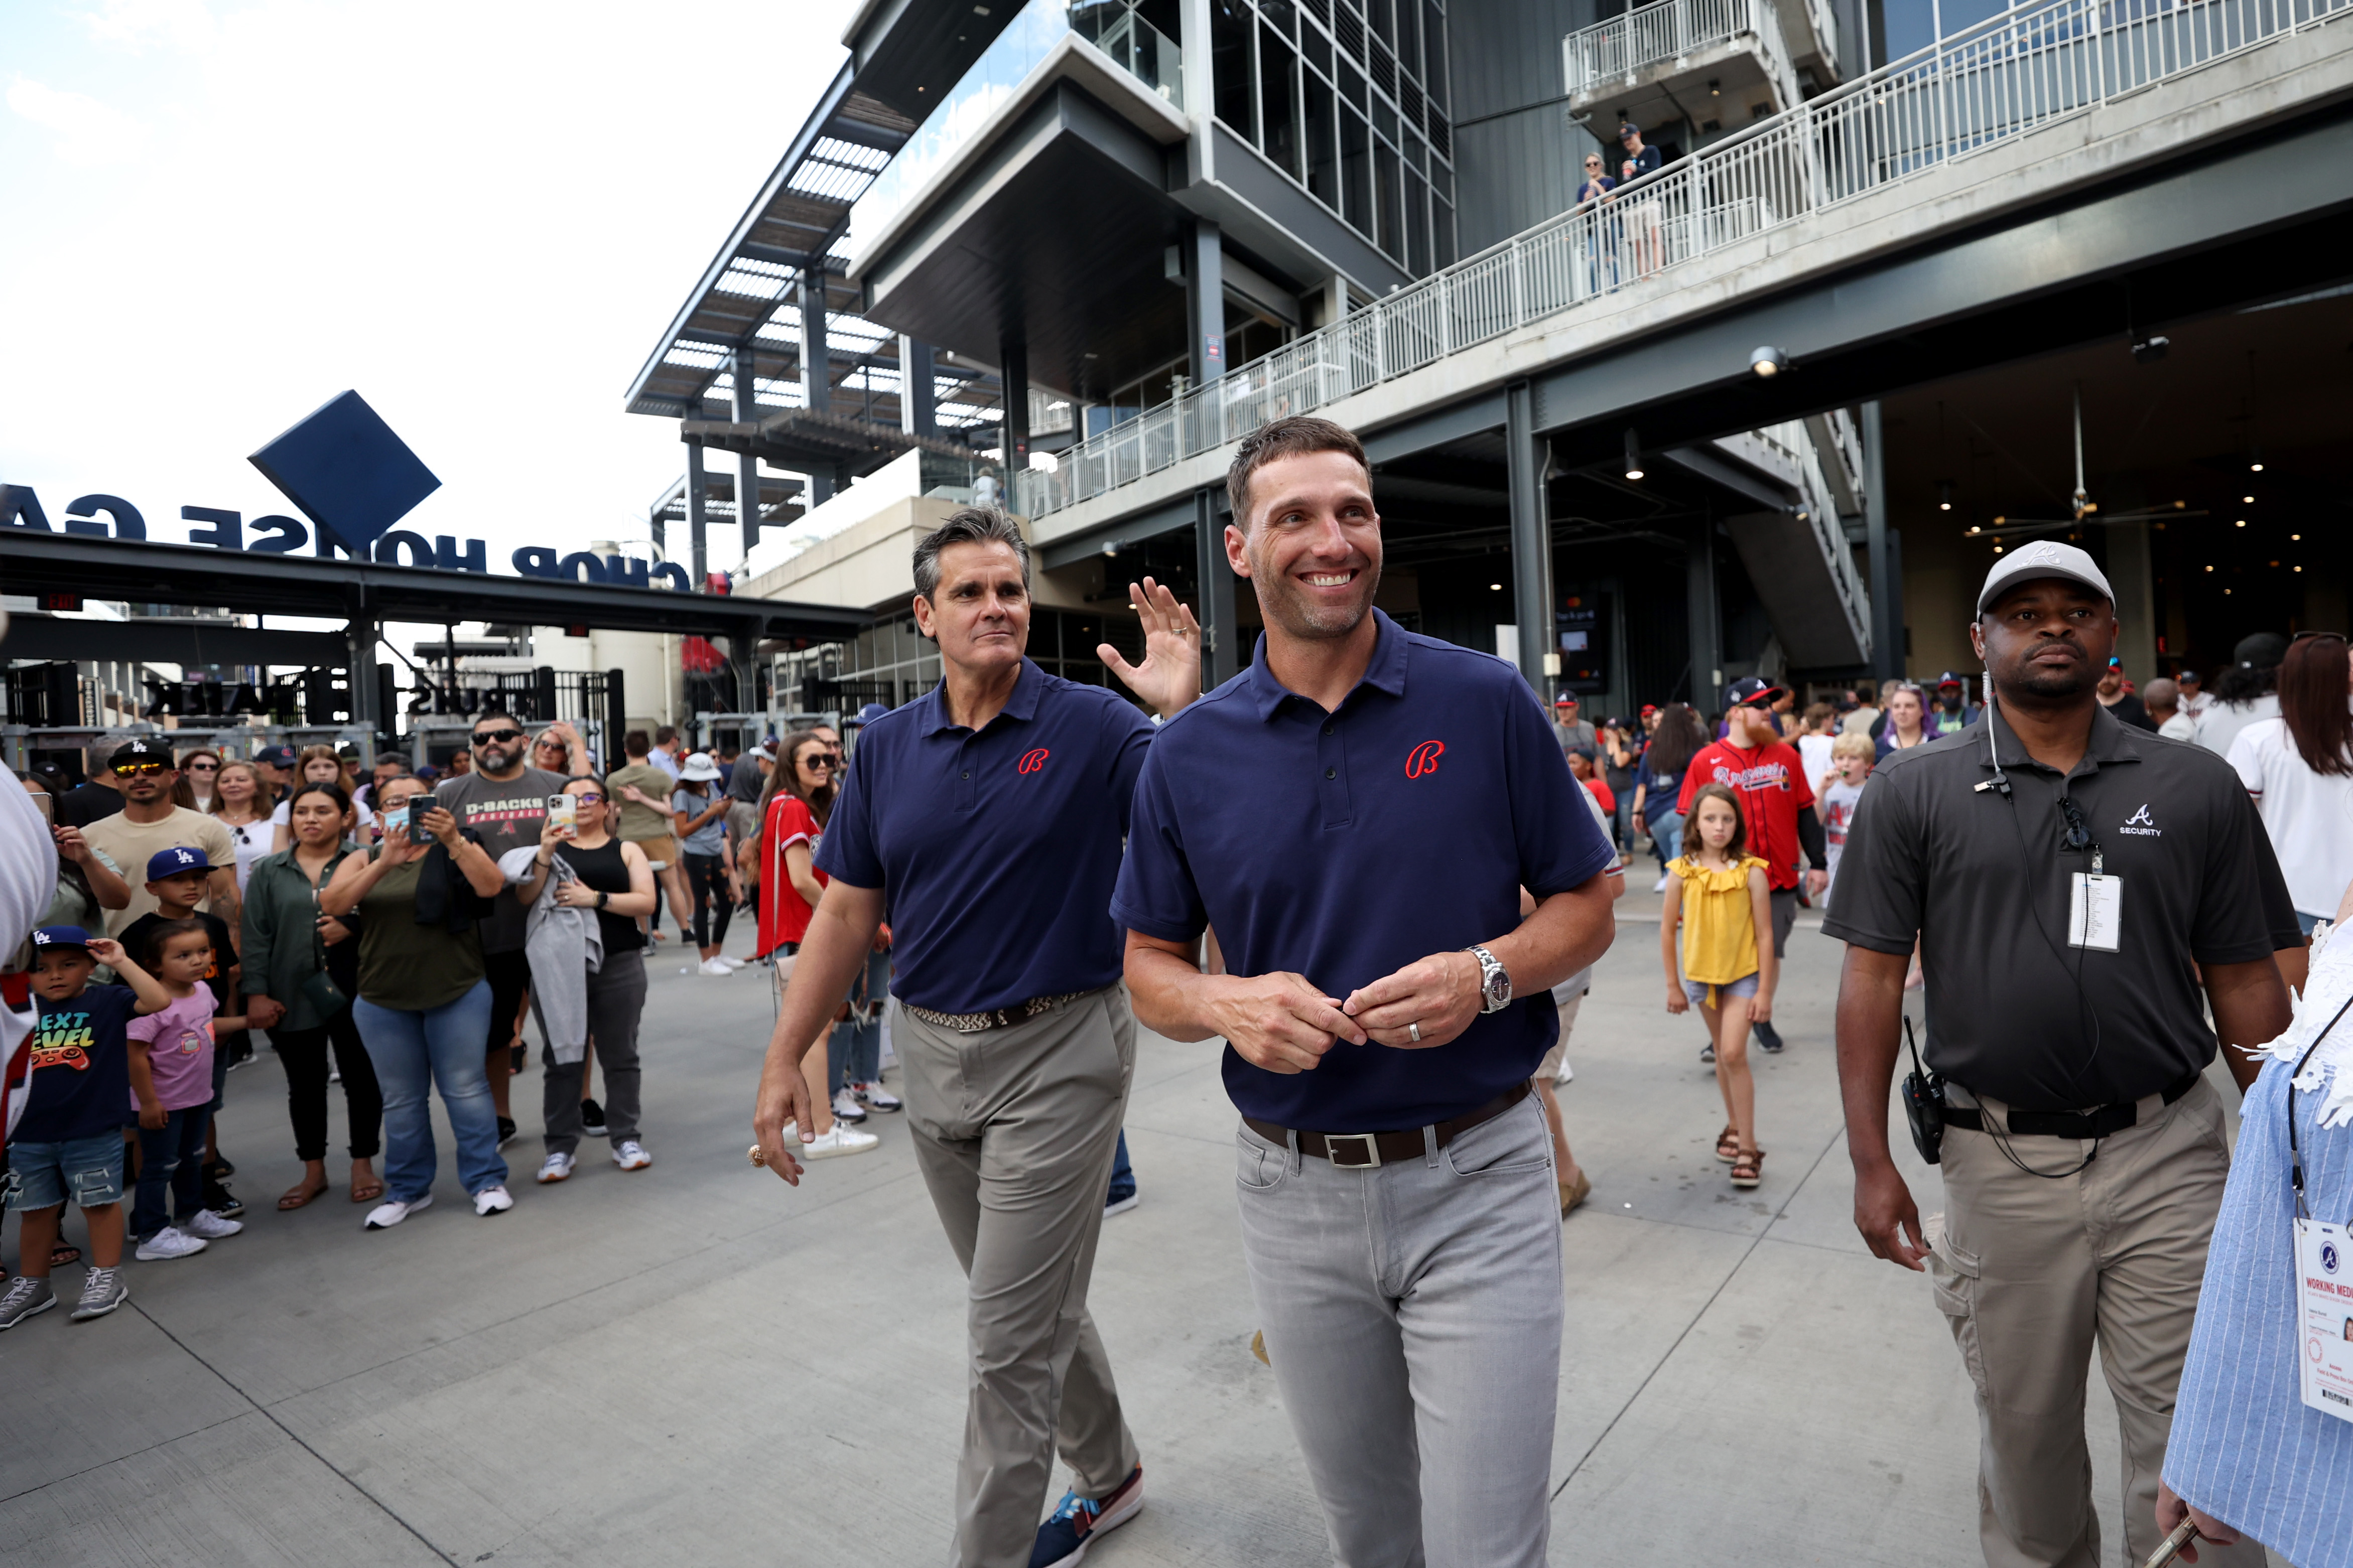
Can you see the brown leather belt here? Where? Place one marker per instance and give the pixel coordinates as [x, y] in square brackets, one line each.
[1362, 1151]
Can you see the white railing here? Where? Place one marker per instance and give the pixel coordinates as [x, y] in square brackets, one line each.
[2003, 78]
[1664, 30]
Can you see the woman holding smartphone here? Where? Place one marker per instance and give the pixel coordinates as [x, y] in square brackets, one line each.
[424, 1008]
[615, 880]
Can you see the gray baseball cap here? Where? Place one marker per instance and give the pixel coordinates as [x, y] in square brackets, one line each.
[2044, 559]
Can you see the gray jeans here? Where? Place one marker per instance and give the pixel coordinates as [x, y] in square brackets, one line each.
[1412, 1312]
[1014, 1131]
[616, 997]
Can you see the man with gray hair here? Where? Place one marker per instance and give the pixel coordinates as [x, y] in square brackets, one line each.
[985, 821]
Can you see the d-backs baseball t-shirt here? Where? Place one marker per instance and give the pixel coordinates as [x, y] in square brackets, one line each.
[507, 814]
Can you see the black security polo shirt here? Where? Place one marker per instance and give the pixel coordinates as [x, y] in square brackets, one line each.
[1984, 882]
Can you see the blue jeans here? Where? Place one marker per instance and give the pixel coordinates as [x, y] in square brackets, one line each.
[855, 1053]
[171, 1155]
[1123, 1174]
[414, 1051]
[1666, 835]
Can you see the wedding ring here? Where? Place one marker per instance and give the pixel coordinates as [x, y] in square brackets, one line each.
[757, 1157]
[1413, 1033]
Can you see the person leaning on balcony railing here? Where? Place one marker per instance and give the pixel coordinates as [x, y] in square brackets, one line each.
[1643, 218]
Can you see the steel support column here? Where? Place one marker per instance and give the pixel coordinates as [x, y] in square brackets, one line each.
[1705, 616]
[1205, 301]
[1013, 370]
[363, 631]
[816, 375]
[698, 517]
[1886, 565]
[918, 399]
[1221, 639]
[747, 462]
[1532, 596]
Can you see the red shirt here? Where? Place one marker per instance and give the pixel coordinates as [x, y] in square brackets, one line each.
[1770, 783]
[783, 913]
[1601, 793]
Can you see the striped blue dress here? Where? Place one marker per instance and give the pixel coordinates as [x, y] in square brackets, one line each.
[2245, 1449]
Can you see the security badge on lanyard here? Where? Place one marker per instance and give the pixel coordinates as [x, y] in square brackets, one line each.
[2324, 1284]
[2095, 901]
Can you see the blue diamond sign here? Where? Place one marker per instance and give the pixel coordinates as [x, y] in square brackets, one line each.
[347, 471]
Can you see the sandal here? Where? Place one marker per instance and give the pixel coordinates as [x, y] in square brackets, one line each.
[367, 1192]
[1728, 1144]
[301, 1194]
[1749, 1169]
[62, 1254]
[1574, 1193]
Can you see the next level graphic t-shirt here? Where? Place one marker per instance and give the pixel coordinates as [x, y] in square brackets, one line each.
[80, 1067]
[508, 813]
[179, 1051]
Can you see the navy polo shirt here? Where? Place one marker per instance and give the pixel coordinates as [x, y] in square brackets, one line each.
[996, 849]
[1345, 846]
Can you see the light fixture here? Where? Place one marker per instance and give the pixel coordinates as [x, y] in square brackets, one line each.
[2247, 501]
[1973, 527]
[1997, 550]
[2151, 349]
[2210, 569]
[2295, 536]
[1495, 587]
[1633, 455]
[2299, 568]
[1944, 497]
[1715, 87]
[2241, 523]
[1767, 361]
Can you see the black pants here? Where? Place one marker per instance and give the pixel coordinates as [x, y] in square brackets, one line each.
[304, 1052]
[707, 876]
[509, 976]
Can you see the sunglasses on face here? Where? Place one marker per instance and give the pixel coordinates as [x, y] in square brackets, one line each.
[818, 760]
[589, 797]
[497, 737]
[202, 767]
[136, 770]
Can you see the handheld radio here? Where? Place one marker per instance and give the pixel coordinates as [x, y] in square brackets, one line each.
[1923, 1104]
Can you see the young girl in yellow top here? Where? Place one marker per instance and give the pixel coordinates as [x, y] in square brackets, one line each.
[1717, 892]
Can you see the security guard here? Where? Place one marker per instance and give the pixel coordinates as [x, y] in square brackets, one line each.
[2071, 882]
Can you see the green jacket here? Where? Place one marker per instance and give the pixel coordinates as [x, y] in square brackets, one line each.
[282, 947]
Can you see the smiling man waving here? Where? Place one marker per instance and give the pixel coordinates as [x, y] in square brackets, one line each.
[984, 819]
[1358, 814]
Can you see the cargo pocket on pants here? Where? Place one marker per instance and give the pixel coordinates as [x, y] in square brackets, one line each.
[1953, 1275]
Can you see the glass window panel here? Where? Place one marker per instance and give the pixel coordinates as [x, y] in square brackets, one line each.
[1281, 16]
[1355, 170]
[1441, 180]
[1417, 224]
[1318, 48]
[1387, 197]
[1384, 22]
[1229, 66]
[1384, 119]
[1441, 234]
[1278, 82]
[1352, 86]
[1323, 144]
[1433, 47]
[1410, 37]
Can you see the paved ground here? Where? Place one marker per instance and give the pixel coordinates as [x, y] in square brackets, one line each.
[694, 1365]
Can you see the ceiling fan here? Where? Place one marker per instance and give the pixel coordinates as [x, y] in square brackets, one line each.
[2087, 510]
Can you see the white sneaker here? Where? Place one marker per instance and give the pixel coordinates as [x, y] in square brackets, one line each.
[1660, 885]
[843, 1139]
[714, 966]
[167, 1243]
[847, 1109]
[210, 1227]
[1567, 1074]
[874, 1097]
[392, 1211]
[734, 962]
[631, 1156]
[494, 1199]
[555, 1168]
[792, 1132]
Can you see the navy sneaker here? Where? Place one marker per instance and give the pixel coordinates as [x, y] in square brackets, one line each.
[1767, 1036]
[1075, 1522]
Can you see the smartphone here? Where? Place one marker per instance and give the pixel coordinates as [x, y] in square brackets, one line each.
[564, 809]
[46, 803]
[417, 832]
[2169, 1549]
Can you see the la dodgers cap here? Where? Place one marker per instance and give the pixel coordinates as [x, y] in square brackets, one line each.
[172, 862]
[2047, 558]
[61, 936]
[139, 748]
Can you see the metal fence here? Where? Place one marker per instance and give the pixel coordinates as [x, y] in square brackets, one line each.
[2009, 75]
[1649, 34]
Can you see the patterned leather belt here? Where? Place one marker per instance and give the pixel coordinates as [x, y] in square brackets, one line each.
[1361, 1151]
[995, 1017]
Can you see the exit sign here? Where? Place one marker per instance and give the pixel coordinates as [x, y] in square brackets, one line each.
[57, 601]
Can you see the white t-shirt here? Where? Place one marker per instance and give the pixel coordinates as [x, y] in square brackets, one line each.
[2220, 725]
[1814, 755]
[252, 841]
[284, 816]
[1836, 805]
[2309, 816]
[2180, 726]
[1578, 984]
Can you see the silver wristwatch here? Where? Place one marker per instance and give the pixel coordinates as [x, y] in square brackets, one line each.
[1494, 980]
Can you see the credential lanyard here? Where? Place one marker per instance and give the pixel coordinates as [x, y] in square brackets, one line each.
[2295, 1155]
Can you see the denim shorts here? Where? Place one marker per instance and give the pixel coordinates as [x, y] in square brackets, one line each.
[87, 1170]
[1698, 989]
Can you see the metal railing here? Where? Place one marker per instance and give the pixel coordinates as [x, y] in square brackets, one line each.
[1665, 30]
[973, 105]
[2009, 75]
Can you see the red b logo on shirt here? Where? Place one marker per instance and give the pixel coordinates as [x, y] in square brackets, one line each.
[1032, 761]
[1424, 760]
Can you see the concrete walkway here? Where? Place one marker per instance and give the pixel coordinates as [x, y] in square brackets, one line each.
[696, 1365]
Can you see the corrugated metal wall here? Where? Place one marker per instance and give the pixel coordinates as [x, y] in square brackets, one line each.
[1516, 155]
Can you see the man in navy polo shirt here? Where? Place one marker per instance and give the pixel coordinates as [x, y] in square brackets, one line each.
[985, 820]
[1358, 814]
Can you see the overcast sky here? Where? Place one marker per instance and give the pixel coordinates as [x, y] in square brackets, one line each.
[481, 216]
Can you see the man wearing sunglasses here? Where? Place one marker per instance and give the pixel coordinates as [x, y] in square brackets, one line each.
[504, 800]
[149, 824]
[2074, 884]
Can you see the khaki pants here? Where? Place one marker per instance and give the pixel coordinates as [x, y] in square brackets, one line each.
[1014, 1131]
[2032, 1272]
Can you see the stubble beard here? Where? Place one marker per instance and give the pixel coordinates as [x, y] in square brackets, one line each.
[1282, 604]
